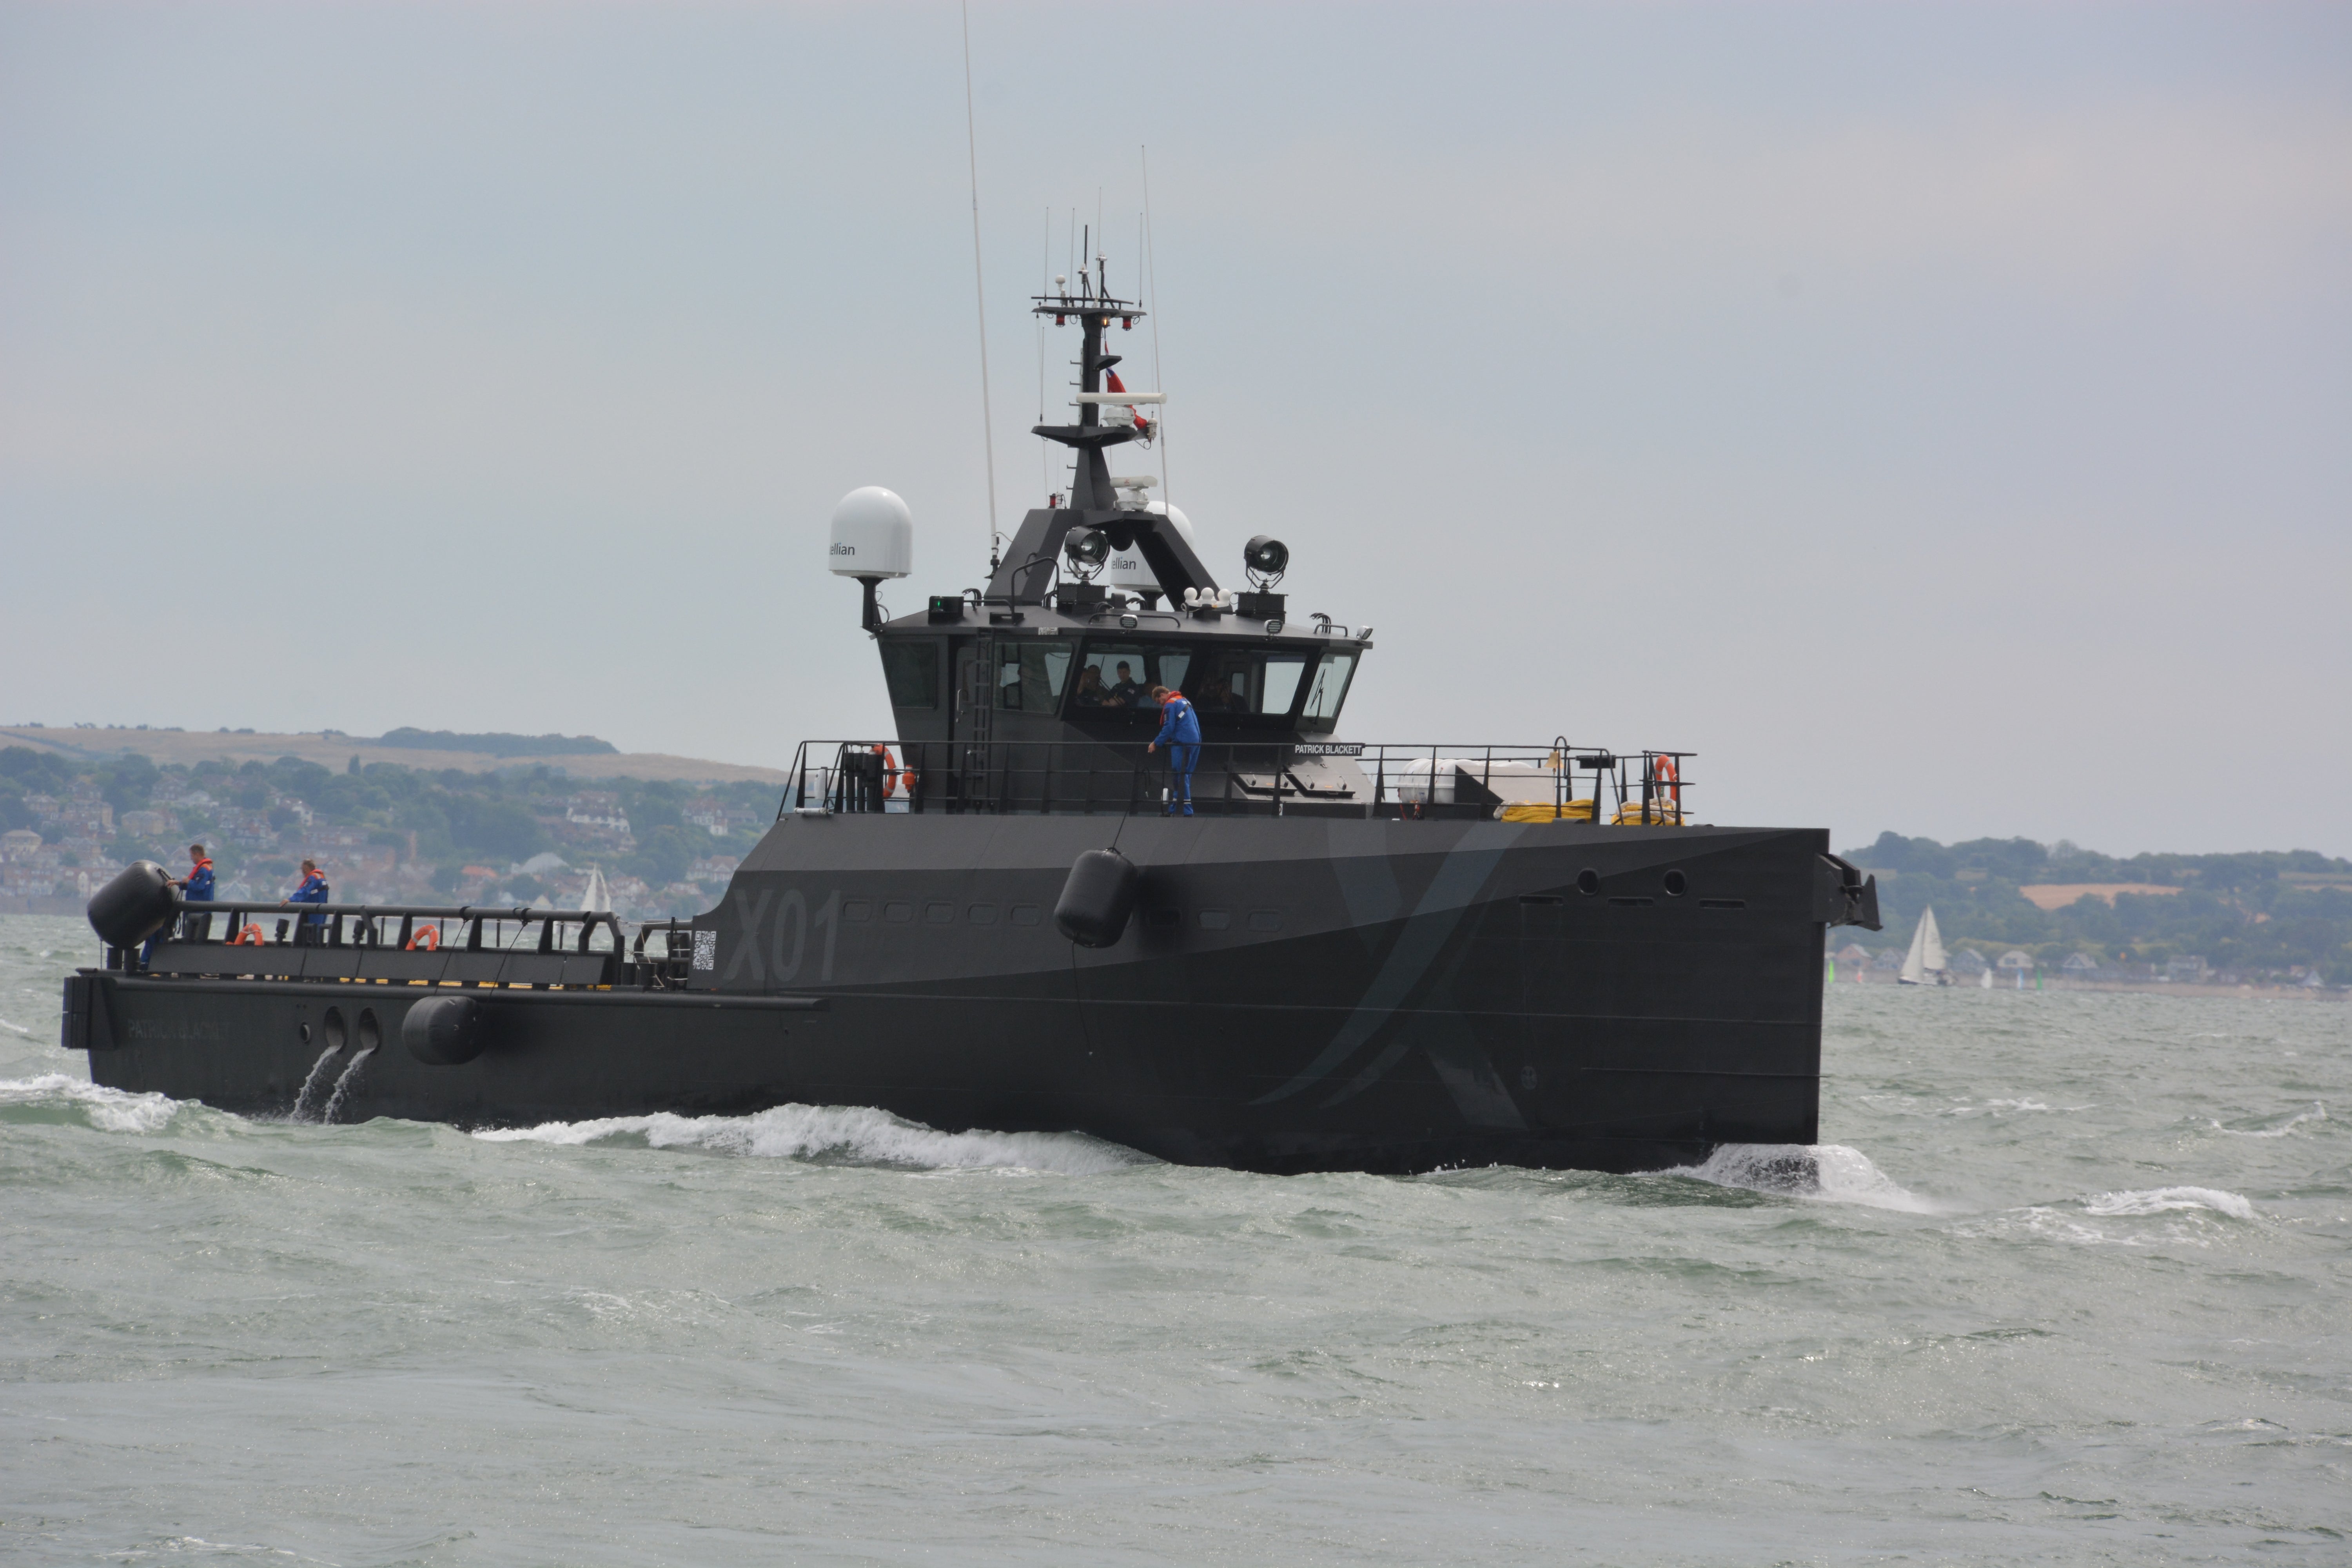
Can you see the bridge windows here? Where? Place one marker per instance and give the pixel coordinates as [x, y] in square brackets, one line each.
[1030, 675]
[1327, 691]
[1226, 682]
[911, 667]
[1248, 681]
[1119, 677]
[1279, 683]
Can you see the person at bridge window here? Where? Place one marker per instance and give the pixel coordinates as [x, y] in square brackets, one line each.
[312, 889]
[1218, 698]
[195, 888]
[1180, 731]
[1125, 692]
[1091, 693]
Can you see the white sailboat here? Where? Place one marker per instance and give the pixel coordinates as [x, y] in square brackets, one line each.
[597, 898]
[1926, 964]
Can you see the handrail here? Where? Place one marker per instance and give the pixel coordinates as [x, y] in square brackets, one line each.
[435, 911]
[1133, 613]
[647, 927]
[667, 970]
[330, 918]
[1239, 777]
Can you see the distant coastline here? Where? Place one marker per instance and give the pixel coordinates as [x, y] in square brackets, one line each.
[402, 818]
[407, 748]
[2061, 915]
[2145, 986]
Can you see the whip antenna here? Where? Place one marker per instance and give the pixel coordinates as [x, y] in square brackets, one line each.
[979, 290]
[1151, 265]
[1044, 266]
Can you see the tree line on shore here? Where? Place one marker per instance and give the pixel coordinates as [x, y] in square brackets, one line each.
[443, 820]
[2261, 912]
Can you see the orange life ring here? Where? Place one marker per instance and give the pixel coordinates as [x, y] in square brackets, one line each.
[427, 937]
[249, 937]
[896, 779]
[1670, 782]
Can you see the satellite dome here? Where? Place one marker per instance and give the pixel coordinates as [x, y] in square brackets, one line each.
[1128, 569]
[873, 535]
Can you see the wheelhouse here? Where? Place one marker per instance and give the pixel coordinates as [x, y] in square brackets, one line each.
[1085, 684]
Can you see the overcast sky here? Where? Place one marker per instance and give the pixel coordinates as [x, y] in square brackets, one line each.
[1938, 418]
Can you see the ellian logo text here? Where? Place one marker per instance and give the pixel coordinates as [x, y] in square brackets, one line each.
[844, 550]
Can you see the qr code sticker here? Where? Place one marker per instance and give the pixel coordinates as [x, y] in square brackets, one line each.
[705, 950]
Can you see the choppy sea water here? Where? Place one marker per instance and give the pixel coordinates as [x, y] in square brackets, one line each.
[2073, 1289]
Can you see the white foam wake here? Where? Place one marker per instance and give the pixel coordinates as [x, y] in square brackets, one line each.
[107, 1109]
[2161, 1200]
[847, 1133]
[2318, 1112]
[1829, 1173]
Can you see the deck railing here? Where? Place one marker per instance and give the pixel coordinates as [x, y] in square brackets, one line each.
[1242, 778]
[370, 925]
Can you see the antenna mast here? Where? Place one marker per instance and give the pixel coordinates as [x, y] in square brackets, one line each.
[1159, 376]
[979, 290]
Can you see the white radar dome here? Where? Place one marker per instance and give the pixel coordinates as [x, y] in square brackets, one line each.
[873, 535]
[1129, 570]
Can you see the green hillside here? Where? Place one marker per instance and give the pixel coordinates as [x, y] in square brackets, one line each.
[435, 822]
[2256, 914]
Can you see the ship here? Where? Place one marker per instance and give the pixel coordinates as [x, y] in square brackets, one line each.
[1310, 953]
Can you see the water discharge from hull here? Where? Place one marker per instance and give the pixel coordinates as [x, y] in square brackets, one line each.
[343, 1084]
[311, 1084]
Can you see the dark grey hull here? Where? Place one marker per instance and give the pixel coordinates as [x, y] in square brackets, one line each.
[1293, 994]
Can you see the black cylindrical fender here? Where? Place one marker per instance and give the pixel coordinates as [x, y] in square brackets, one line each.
[444, 1031]
[130, 909]
[1097, 898]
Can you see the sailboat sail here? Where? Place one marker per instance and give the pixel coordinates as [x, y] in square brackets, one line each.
[1926, 958]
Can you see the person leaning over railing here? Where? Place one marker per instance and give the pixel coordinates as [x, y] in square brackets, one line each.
[1180, 731]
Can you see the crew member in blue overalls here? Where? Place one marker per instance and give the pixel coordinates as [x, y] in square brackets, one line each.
[1180, 731]
[195, 888]
[312, 890]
